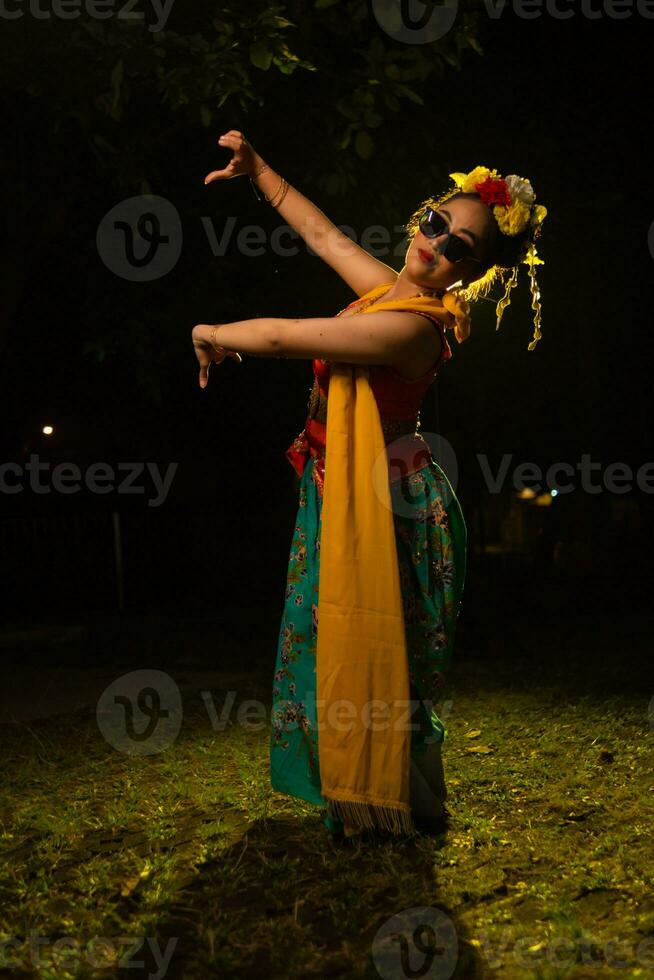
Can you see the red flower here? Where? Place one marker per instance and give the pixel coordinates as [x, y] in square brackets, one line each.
[494, 192]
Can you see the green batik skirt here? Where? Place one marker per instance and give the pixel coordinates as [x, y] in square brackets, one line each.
[431, 538]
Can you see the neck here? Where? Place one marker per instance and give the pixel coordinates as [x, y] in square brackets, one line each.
[403, 288]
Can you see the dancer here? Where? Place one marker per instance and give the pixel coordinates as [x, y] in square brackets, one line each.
[378, 554]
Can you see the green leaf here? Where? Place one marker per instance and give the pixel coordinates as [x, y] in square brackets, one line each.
[205, 115]
[474, 44]
[348, 111]
[345, 142]
[372, 119]
[450, 58]
[286, 52]
[364, 145]
[408, 93]
[392, 71]
[325, 3]
[260, 55]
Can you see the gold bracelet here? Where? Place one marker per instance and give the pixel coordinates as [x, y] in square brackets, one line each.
[270, 199]
[218, 349]
[283, 186]
[223, 350]
[284, 194]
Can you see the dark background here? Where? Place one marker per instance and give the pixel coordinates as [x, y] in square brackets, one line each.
[109, 362]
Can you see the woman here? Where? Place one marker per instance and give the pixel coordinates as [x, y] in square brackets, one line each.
[472, 235]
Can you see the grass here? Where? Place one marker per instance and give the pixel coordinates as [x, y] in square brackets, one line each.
[546, 859]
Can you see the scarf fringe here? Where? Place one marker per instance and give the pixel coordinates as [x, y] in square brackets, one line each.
[371, 816]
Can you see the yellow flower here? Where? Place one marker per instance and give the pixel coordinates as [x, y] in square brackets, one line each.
[512, 220]
[539, 214]
[474, 177]
[466, 182]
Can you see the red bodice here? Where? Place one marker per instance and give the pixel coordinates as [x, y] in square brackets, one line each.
[397, 398]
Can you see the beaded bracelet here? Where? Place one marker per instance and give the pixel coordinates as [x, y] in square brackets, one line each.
[256, 174]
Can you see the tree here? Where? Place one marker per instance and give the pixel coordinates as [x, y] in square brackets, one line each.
[95, 106]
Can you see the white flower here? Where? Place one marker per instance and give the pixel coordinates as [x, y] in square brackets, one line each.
[521, 189]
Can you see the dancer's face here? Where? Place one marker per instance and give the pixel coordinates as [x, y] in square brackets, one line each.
[471, 220]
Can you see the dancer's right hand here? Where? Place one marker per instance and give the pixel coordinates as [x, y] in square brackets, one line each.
[244, 161]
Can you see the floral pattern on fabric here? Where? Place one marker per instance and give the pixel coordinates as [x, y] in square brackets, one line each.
[430, 535]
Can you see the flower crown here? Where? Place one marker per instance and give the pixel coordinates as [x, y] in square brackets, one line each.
[511, 199]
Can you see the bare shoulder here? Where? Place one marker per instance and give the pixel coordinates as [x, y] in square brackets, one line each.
[423, 347]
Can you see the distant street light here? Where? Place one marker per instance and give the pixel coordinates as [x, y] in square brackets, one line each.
[527, 493]
[47, 430]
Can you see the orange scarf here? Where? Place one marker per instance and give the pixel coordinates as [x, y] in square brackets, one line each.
[362, 674]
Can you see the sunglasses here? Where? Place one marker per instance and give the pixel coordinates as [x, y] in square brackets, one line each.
[455, 249]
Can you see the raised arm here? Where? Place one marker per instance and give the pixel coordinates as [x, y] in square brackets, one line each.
[353, 264]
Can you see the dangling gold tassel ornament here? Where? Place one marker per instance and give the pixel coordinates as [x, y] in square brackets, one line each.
[506, 298]
[459, 308]
[532, 260]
